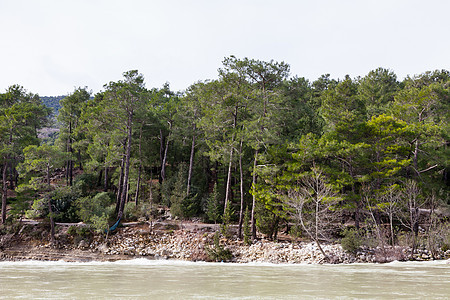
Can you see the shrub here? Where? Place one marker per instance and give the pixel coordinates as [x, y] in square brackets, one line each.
[39, 209]
[178, 194]
[226, 221]
[218, 253]
[131, 212]
[100, 223]
[86, 183]
[82, 231]
[79, 233]
[266, 221]
[213, 207]
[352, 241]
[21, 204]
[63, 200]
[93, 206]
[296, 231]
[96, 211]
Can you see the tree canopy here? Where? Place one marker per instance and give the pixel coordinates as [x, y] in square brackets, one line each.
[293, 152]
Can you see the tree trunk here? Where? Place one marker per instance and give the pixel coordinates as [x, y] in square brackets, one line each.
[228, 187]
[50, 209]
[161, 154]
[80, 162]
[119, 185]
[16, 177]
[241, 187]
[105, 183]
[52, 221]
[48, 176]
[70, 150]
[391, 224]
[127, 198]
[252, 217]
[5, 191]
[314, 236]
[415, 158]
[164, 160]
[191, 164]
[163, 163]
[100, 177]
[138, 184]
[357, 214]
[11, 176]
[127, 166]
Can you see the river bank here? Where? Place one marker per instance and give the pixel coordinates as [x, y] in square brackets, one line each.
[186, 241]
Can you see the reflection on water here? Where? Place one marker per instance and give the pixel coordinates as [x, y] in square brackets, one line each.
[182, 280]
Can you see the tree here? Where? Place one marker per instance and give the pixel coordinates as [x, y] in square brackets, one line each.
[425, 114]
[164, 105]
[413, 201]
[310, 202]
[122, 101]
[377, 90]
[221, 109]
[190, 117]
[342, 109]
[391, 204]
[40, 161]
[21, 116]
[266, 78]
[69, 118]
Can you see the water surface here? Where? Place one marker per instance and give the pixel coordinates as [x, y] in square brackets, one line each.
[146, 279]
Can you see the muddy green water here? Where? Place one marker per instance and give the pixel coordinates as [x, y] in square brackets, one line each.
[144, 279]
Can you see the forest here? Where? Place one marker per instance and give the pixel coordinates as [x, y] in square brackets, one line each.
[364, 159]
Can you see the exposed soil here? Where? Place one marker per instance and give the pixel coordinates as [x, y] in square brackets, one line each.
[192, 241]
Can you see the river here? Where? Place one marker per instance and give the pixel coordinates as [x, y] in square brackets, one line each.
[147, 279]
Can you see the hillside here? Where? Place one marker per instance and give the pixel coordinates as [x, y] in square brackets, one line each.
[52, 102]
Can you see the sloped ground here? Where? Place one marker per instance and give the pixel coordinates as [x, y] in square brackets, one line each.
[175, 240]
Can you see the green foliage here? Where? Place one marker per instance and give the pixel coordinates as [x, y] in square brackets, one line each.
[352, 241]
[178, 194]
[39, 209]
[88, 206]
[266, 220]
[377, 90]
[86, 183]
[96, 211]
[82, 231]
[296, 231]
[100, 223]
[213, 207]
[226, 221]
[247, 234]
[218, 252]
[131, 211]
[135, 213]
[63, 200]
[364, 134]
[21, 204]
[52, 102]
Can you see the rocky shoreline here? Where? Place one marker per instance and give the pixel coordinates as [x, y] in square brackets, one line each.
[188, 242]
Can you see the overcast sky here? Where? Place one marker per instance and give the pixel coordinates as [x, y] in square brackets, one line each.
[52, 46]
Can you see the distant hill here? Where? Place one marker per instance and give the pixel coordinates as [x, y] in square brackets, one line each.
[52, 102]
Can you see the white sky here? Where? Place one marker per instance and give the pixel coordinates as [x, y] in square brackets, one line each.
[52, 46]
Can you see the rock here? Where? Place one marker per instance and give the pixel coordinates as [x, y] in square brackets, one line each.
[83, 245]
[103, 248]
